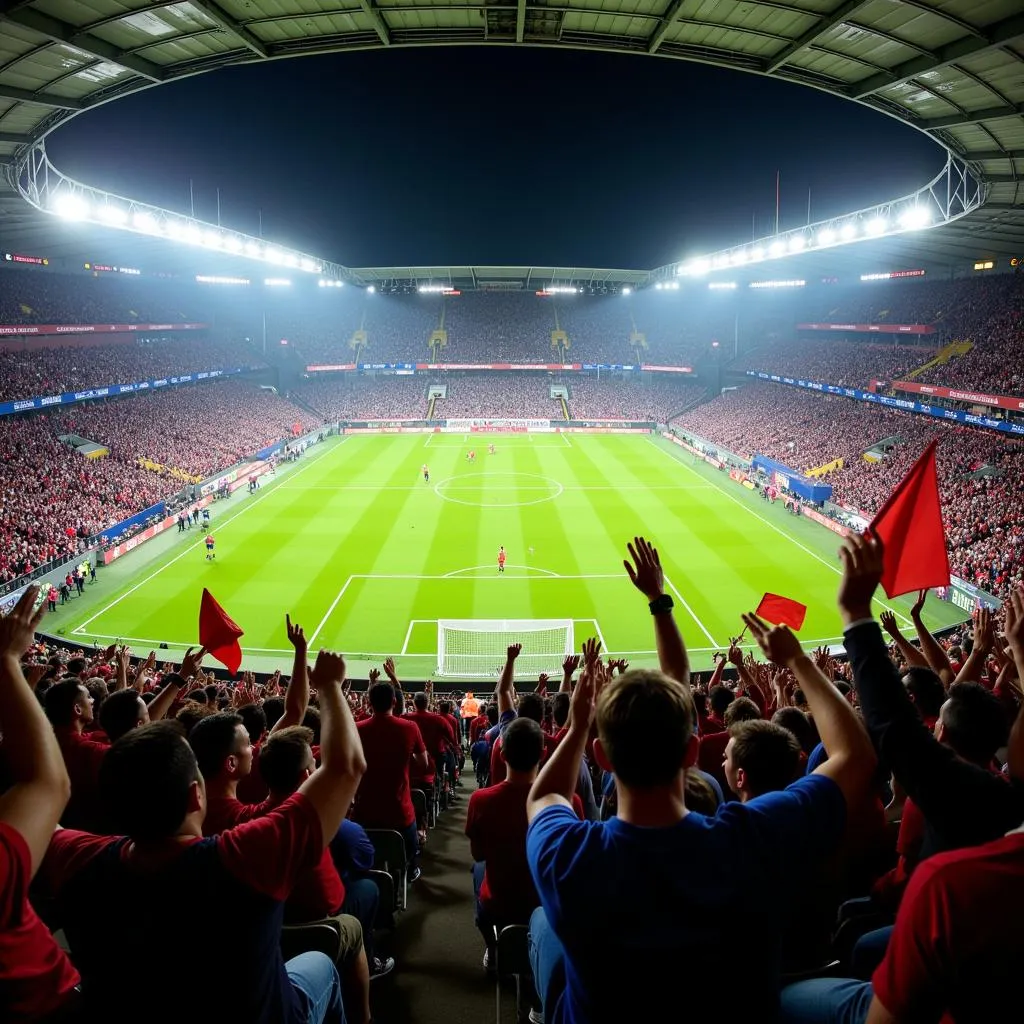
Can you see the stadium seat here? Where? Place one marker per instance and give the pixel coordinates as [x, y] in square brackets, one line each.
[389, 850]
[513, 961]
[312, 937]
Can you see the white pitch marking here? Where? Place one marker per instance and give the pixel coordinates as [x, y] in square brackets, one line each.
[328, 613]
[408, 635]
[778, 530]
[219, 527]
[693, 614]
[455, 573]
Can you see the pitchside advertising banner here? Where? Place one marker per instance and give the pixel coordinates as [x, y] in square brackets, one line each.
[23, 330]
[69, 397]
[955, 415]
[870, 328]
[974, 397]
[406, 368]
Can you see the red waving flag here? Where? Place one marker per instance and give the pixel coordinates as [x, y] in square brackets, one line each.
[219, 634]
[909, 525]
[783, 611]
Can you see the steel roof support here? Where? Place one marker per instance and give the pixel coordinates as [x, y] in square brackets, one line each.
[44, 99]
[933, 124]
[226, 22]
[380, 26]
[520, 20]
[813, 34]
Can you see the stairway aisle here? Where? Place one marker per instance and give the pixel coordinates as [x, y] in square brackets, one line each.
[439, 978]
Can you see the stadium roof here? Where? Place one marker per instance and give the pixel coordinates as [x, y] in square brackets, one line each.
[953, 69]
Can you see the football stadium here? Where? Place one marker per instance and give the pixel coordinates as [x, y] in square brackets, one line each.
[707, 573]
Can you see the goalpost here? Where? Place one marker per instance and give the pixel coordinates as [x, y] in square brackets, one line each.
[476, 648]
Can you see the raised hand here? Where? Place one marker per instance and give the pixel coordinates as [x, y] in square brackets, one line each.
[542, 684]
[329, 670]
[1013, 626]
[889, 624]
[862, 572]
[191, 662]
[296, 636]
[735, 655]
[513, 652]
[374, 675]
[18, 628]
[918, 605]
[779, 643]
[389, 671]
[619, 665]
[645, 573]
[591, 653]
[570, 663]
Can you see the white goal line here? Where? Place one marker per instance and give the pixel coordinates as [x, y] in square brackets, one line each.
[404, 652]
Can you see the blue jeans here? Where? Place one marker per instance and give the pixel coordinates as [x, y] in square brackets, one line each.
[869, 952]
[826, 1001]
[317, 988]
[412, 844]
[547, 958]
[362, 898]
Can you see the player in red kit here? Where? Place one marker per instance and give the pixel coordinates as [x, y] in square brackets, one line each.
[471, 456]
[210, 556]
[501, 559]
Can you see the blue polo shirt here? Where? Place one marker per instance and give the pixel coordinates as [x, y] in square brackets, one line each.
[647, 915]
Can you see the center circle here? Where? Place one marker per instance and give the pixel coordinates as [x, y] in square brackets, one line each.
[498, 490]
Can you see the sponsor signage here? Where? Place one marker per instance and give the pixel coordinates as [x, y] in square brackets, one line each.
[974, 397]
[870, 328]
[666, 369]
[17, 330]
[951, 415]
[69, 397]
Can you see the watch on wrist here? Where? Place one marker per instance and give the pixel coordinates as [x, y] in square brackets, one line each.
[662, 603]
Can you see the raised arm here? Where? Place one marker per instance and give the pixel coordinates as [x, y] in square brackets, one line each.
[910, 654]
[851, 759]
[938, 660]
[296, 697]
[1014, 629]
[332, 787]
[506, 681]
[645, 573]
[34, 804]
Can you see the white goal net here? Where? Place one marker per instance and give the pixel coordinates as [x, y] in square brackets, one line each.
[476, 648]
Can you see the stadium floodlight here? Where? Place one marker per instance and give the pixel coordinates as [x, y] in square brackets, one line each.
[290, 259]
[722, 286]
[145, 221]
[797, 243]
[233, 243]
[739, 257]
[175, 228]
[916, 216]
[70, 206]
[720, 261]
[111, 214]
[371, 289]
[627, 290]
[273, 256]
[848, 231]
[826, 236]
[193, 235]
[277, 282]
[253, 249]
[310, 266]
[756, 254]
[876, 226]
[777, 248]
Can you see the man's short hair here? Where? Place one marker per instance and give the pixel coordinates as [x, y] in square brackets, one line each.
[797, 722]
[645, 723]
[213, 740]
[254, 719]
[742, 709]
[120, 714]
[421, 701]
[560, 707]
[273, 708]
[283, 758]
[191, 714]
[768, 754]
[311, 720]
[144, 781]
[76, 666]
[382, 696]
[925, 689]
[522, 746]
[492, 713]
[61, 698]
[531, 705]
[974, 722]
[698, 793]
[720, 697]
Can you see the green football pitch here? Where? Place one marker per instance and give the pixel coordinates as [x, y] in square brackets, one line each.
[355, 546]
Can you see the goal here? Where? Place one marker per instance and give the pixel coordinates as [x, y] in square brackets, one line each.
[475, 648]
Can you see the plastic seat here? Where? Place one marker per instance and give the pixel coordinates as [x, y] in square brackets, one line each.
[389, 856]
[512, 954]
[312, 937]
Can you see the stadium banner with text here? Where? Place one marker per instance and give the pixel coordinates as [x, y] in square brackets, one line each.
[974, 397]
[112, 532]
[870, 328]
[329, 367]
[69, 397]
[383, 426]
[132, 543]
[619, 428]
[831, 524]
[498, 366]
[967, 597]
[21, 330]
[391, 429]
[954, 415]
[789, 479]
[652, 368]
[471, 425]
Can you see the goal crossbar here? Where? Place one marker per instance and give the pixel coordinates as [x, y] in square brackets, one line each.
[477, 648]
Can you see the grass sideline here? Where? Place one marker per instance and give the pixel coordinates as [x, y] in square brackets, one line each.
[367, 556]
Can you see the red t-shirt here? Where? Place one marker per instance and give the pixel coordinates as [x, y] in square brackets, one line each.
[35, 974]
[955, 951]
[83, 757]
[383, 799]
[223, 813]
[252, 789]
[496, 826]
[437, 733]
[479, 725]
[711, 755]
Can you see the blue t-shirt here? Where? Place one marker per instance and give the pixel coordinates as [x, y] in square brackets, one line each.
[685, 906]
[816, 759]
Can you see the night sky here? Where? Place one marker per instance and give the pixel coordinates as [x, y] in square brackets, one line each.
[495, 155]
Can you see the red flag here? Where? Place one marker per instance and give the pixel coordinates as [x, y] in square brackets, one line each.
[783, 611]
[909, 525]
[219, 634]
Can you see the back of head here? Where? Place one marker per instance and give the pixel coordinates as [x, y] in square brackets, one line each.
[273, 708]
[121, 712]
[213, 740]
[285, 758]
[444, 707]
[531, 705]
[699, 795]
[768, 754]
[742, 709]
[60, 700]
[560, 703]
[720, 697]
[76, 666]
[145, 779]
[974, 723]
[254, 719]
[492, 714]
[799, 725]
[420, 700]
[382, 697]
[925, 689]
[522, 746]
[645, 724]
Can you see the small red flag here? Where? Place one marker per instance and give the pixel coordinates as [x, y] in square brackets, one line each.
[909, 526]
[219, 634]
[783, 611]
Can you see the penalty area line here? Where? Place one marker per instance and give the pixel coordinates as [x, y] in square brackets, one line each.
[692, 613]
[330, 611]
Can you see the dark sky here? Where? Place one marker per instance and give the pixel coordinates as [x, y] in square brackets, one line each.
[495, 155]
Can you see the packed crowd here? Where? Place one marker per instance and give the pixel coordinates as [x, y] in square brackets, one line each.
[52, 498]
[890, 789]
[655, 401]
[849, 364]
[505, 394]
[353, 397]
[52, 366]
